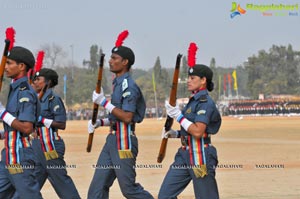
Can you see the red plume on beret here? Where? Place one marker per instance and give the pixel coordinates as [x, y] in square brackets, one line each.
[10, 35]
[122, 36]
[39, 61]
[192, 54]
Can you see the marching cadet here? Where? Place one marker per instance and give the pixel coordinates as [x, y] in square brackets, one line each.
[49, 147]
[127, 107]
[17, 163]
[197, 159]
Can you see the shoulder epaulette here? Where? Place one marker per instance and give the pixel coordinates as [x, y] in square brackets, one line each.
[124, 84]
[51, 97]
[203, 98]
[23, 86]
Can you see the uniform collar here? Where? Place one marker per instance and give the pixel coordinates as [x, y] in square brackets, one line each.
[17, 82]
[197, 95]
[47, 93]
[119, 80]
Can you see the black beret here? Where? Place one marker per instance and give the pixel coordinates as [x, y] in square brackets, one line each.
[22, 55]
[125, 53]
[201, 71]
[49, 74]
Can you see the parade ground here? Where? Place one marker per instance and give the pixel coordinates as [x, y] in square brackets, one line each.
[259, 157]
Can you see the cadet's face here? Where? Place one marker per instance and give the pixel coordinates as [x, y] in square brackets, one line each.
[117, 64]
[39, 83]
[13, 69]
[195, 83]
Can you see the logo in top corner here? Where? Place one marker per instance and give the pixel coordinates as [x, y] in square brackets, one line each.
[236, 9]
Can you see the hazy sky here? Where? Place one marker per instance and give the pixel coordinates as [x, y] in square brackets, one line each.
[156, 28]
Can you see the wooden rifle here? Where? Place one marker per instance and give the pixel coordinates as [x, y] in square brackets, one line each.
[95, 108]
[3, 61]
[172, 102]
[9, 43]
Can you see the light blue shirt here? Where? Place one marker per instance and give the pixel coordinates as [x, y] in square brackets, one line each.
[128, 97]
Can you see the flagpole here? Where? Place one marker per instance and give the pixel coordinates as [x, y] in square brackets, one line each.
[219, 87]
[155, 97]
[224, 85]
[65, 89]
[156, 111]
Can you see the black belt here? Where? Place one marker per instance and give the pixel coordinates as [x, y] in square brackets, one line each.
[184, 140]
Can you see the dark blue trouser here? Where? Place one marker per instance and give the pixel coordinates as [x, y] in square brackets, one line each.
[110, 166]
[180, 175]
[55, 171]
[24, 183]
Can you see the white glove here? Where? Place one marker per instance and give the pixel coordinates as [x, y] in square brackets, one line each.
[45, 121]
[91, 127]
[99, 122]
[175, 113]
[2, 135]
[100, 99]
[169, 134]
[172, 111]
[6, 116]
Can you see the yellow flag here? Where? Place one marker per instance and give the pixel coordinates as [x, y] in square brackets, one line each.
[235, 85]
[153, 81]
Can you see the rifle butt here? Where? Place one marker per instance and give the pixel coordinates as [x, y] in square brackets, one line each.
[90, 142]
[162, 150]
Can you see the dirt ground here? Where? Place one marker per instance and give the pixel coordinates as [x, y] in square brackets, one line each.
[259, 158]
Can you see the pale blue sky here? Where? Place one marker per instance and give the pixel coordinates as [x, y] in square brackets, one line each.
[156, 28]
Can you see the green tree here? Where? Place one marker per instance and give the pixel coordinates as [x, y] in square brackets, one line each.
[273, 72]
[214, 94]
[93, 66]
[92, 63]
[182, 91]
[94, 58]
[184, 69]
[162, 81]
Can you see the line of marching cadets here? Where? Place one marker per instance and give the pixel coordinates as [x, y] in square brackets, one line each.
[267, 107]
[28, 159]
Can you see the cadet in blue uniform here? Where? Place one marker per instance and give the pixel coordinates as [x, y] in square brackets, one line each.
[118, 156]
[21, 112]
[49, 147]
[197, 159]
